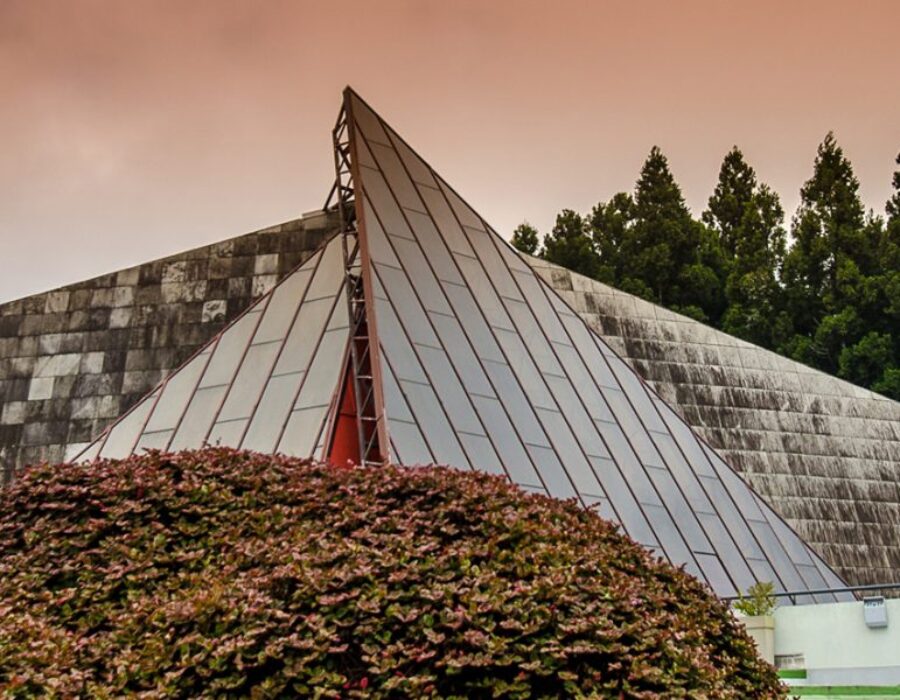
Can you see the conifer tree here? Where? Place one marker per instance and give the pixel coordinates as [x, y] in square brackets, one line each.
[666, 251]
[570, 245]
[726, 207]
[748, 219]
[525, 238]
[610, 224]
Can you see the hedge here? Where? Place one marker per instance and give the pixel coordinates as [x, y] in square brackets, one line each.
[233, 574]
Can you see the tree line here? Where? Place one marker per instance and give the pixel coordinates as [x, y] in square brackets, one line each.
[827, 294]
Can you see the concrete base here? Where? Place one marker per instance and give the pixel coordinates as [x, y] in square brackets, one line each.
[761, 629]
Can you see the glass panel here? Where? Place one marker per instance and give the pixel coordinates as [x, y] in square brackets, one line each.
[367, 121]
[715, 574]
[124, 435]
[364, 155]
[686, 439]
[583, 383]
[404, 190]
[481, 453]
[433, 422]
[483, 293]
[246, 388]
[304, 335]
[497, 270]
[409, 312]
[272, 412]
[795, 548]
[732, 519]
[380, 250]
[582, 425]
[384, 207]
[464, 360]
[302, 432]
[198, 418]
[631, 469]
[394, 345]
[534, 294]
[601, 506]
[408, 444]
[552, 472]
[395, 406]
[516, 403]
[524, 370]
[281, 309]
[324, 372]
[153, 441]
[775, 553]
[533, 337]
[449, 389]
[227, 433]
[583, 341]
[726, 548]
[176, 394]
[467, 217]
[680, 511]
[478, 331]
[329, 275]
[446, 222]
[229, 351]
[91, 453]
[629, 512]
[508, 444]
[569, 453]
[637, 393]
[669, 537]
[423, 281]
[442, 263]
[418, 170]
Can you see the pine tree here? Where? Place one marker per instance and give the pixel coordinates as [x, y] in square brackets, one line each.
[829, 233]
[666, 252]
[748, 219]
[834, 274]
[610, 225]
[570, 245]
[525, 238]
[726, 207]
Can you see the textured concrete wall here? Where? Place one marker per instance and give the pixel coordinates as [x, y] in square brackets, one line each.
[74, 359]
[824, 453]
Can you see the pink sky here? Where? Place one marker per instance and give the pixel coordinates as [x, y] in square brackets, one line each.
[133, 130]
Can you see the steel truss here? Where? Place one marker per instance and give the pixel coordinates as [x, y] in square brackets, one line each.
[360, 370]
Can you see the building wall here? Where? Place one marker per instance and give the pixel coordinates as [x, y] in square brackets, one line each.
[75, 358]
[824, 453]
[836, 646]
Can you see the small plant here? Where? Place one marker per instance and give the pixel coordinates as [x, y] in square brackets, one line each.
[759, 599]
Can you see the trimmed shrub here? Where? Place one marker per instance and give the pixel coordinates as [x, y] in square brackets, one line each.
[226, 573]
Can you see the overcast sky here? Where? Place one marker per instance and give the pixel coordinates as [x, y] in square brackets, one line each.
[135, 129]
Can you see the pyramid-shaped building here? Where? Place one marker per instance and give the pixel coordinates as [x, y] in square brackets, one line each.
[416, 335]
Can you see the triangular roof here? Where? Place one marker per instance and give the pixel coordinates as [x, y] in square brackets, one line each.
[460, 354]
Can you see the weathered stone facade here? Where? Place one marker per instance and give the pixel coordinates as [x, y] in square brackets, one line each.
[74, 359]
[824, 453]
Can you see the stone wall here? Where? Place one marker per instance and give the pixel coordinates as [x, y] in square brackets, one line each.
[824, 453]
[75, 358]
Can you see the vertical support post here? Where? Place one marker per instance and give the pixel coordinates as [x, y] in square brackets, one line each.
[360, 371]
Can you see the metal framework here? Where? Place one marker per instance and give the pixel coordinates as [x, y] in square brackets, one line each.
[359, 378]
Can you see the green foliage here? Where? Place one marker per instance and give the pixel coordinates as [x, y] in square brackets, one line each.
[759, 599]
[525, 238]
[570, 245]
[864, 362]
[230, 574]
[816, 302]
